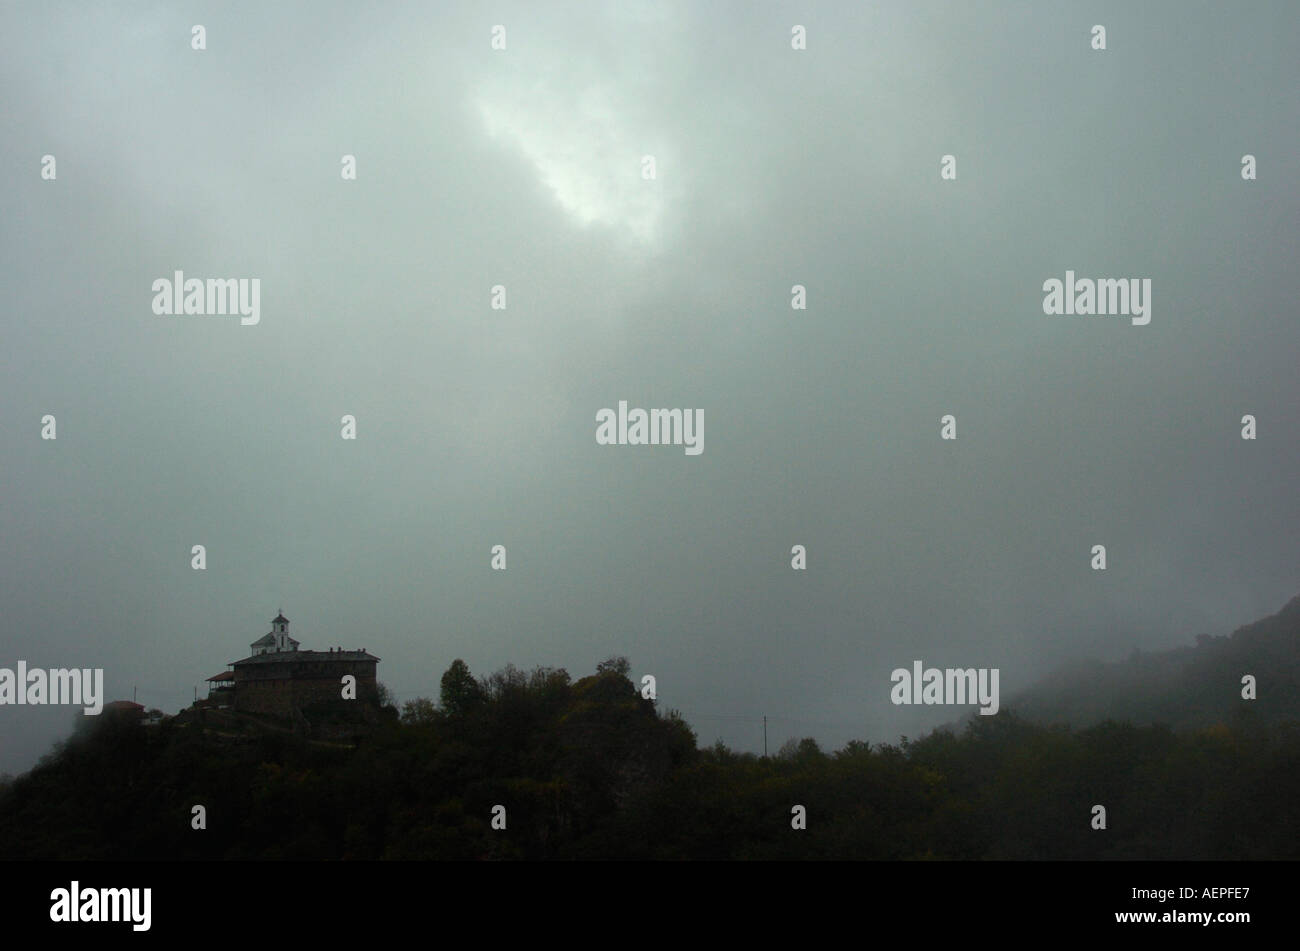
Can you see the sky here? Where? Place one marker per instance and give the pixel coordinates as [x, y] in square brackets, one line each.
[524, 167]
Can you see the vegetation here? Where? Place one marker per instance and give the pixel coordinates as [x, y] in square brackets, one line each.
[1188, 687]
[589, 769]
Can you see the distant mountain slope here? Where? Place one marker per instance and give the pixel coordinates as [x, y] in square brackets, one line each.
[1185, 687]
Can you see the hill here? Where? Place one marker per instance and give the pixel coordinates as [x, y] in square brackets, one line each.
[537, 766]
[1188, 687]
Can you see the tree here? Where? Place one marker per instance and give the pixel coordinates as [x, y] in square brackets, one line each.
[617, 665]
[419, 712]
[461, 693]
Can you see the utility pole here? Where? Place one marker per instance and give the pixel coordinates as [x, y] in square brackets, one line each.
[133, 694]
[765, 737]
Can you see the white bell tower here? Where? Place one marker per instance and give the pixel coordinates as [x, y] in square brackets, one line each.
[280, 628]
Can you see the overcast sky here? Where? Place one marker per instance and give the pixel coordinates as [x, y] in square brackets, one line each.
[475, 427]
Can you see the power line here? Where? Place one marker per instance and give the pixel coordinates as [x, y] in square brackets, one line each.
[838, 724]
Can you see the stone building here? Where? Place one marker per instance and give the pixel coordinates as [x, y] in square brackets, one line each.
[280, 679]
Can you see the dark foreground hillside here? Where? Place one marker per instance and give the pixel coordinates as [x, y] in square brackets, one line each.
[591, 770]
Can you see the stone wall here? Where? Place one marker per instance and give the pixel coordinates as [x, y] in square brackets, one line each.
[284, 687]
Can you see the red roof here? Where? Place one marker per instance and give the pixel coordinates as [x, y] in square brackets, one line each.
[124, 706]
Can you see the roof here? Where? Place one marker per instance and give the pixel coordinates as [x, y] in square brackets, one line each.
[125, 706]
[290, 657]
[264, 639]
[223, 676]
[278, 618]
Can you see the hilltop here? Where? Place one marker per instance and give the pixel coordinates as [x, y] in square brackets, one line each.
[1193, 686]
[538, 766]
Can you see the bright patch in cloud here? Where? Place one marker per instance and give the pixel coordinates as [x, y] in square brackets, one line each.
[586, 151]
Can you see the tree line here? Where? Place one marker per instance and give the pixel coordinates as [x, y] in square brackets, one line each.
[588, 769]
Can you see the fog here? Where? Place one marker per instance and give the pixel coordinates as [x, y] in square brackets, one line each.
[475, 426]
